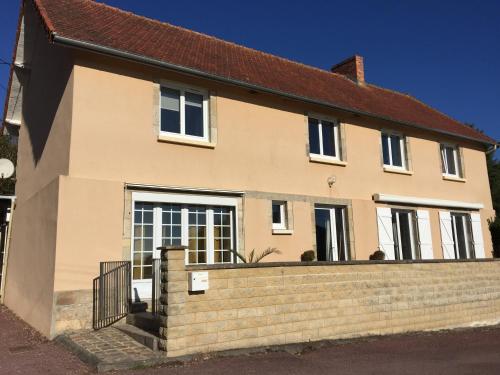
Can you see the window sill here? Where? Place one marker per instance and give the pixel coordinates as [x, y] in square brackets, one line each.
[282, 231]
[397, 170]
[186, 141]
[326, 160]
[454, 178]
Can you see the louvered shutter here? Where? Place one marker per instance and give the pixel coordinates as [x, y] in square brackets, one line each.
[477, 235]
[447, 242]
[385, 233]
[424, 234]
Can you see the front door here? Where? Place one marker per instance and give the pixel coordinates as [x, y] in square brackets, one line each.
[331, 239]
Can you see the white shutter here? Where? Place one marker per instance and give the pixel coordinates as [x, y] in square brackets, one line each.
[385, 234]
[424, 234]
[447, 241]
[477, 235]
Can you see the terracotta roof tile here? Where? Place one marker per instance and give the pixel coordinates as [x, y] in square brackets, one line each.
[100, 24]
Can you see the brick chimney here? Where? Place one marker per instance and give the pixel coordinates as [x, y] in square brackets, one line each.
[351, 68]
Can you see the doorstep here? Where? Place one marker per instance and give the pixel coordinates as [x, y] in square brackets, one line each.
[111, 349]
[142, 337]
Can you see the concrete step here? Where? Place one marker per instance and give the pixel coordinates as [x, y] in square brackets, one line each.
[142, 337]
[138, 307]
[145, 321]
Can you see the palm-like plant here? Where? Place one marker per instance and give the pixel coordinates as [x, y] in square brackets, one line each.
[253, 257]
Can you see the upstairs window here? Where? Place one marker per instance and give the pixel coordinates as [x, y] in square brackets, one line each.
[184, 112]
[324, 138]
[279, 215]
[394, 150]
[450, 158]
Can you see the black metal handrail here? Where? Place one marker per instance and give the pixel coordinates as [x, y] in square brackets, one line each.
[156, 287]
[112, 293]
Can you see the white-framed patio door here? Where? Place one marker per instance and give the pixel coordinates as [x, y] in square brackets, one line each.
[147, 233]
[462, 235]
[209, 232]
[404, 235]
[331, 238]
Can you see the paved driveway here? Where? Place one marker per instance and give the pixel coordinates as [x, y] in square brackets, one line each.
[23, 351]
[468, 351]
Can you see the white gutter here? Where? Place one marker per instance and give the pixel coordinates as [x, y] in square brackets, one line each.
[492, 149]
[415, 201]
[12, 122]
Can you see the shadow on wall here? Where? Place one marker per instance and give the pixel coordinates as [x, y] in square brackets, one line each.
[44, 85]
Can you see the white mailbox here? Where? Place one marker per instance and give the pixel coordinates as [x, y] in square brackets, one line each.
[198, 281]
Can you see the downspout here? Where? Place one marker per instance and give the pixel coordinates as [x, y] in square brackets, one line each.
[492, 149]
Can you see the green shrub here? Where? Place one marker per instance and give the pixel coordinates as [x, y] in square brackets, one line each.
[256, 258]
[308, 256]
[495, 236]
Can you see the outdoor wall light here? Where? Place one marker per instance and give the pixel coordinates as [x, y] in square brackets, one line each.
[331, 180]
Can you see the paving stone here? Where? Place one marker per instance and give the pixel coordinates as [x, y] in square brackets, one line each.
[110, 349]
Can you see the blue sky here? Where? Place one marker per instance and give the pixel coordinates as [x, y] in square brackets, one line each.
[445, 53]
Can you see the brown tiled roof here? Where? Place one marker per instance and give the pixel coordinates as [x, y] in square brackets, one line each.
[102, 25]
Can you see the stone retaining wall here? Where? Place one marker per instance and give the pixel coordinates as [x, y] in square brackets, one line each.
[272, 305]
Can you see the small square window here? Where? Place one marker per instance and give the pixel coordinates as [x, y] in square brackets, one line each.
[450, 158]
[394, 150]
[279, 215]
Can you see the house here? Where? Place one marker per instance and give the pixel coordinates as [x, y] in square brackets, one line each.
[134, 134]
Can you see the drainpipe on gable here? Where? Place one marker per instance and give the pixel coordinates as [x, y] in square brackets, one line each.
[492, 149]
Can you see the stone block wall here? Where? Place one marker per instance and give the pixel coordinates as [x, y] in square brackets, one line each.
[247, 306]
[72, 311]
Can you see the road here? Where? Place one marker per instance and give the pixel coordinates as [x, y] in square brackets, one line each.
[465, 351]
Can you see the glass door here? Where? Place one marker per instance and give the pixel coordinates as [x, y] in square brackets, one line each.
[331, 240]
[207, 231]
[143, 237]
[461, 236]
[404, 234]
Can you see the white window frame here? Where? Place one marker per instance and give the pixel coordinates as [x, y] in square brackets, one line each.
[456, 159]
[333, 229]
[182, 108]
[188, 199]
[283, 218]
[402, 147]
[336, 132]
[467, 234]
[412, 223]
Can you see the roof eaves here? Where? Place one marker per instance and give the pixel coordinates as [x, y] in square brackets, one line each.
[59, 39]
[416, 100]
[45, 17]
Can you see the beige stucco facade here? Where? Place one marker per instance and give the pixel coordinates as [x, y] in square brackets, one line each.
[101, 134]
[261, 150]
